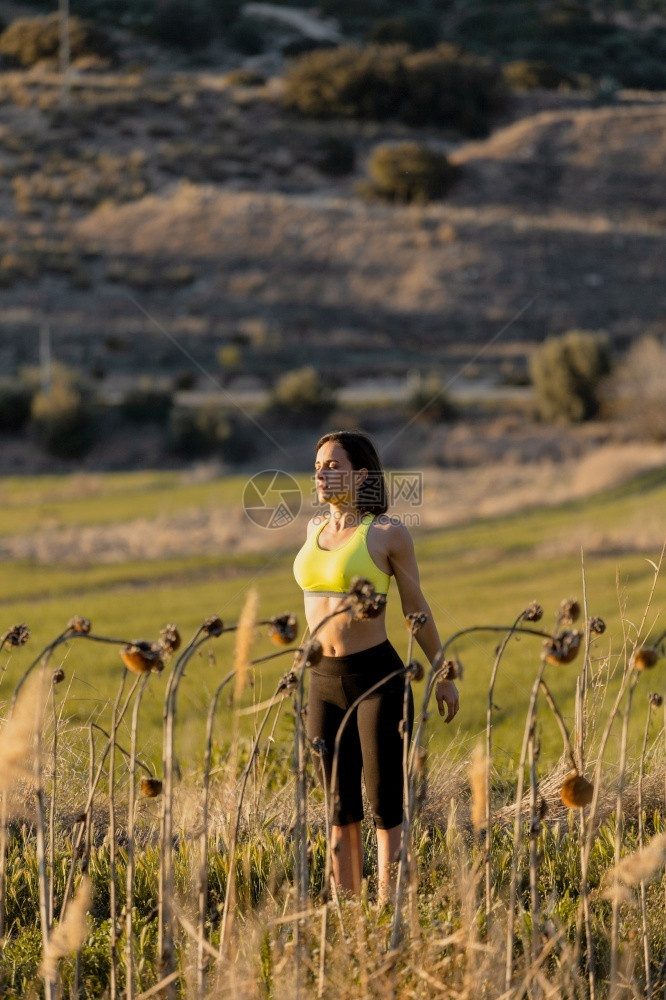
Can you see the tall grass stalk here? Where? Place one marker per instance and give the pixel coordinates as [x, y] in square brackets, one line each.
[113, 888]
[534, 831]
[84, 829]
[615, 912]
[229, 895]
[641, 845]
[166, 881]
[203, 837]
[131, 807]
[489, 756]
[53, 803]
[40, 831]
[405, 866]
[300, 824]
[619, 825]
[517, 822]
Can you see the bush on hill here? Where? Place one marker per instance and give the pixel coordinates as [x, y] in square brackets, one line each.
[30, 39]
[301, 394]
[533, 74]
[635, 391]
[408, 172]
[63, 417]
[567, 373]
[441, 86]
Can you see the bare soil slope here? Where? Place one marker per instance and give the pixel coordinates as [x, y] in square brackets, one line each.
[206, 204]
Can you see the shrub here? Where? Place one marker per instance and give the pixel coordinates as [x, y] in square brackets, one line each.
[635, 391]
[146, 402]
[29, 39]
[301, 394]
[199, 430]
[567, 372]
[15, 400]
[428, 402]
[441, 86]
[408, 172]
[533, 74]
[63, 418]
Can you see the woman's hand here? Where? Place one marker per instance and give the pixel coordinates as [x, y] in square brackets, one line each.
[448, 701]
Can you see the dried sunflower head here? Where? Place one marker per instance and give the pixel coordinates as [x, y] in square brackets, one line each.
[151, 787]
[58, 676]
[569, 611]
[142, 657]
[576, 791]
[17, 635]
[282, 629]
[364, 601]
[562, 648]
[644, 658]
[415, 620]
[449, 670]
[596, 625]
[170, 639]
[213, 625]
[288, 682]
[415, 670]
[319, 746]
[79, 624]
[656, 699]
[533, 612]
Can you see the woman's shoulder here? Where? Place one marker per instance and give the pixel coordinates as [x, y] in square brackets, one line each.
[392, 528]
[316, 522]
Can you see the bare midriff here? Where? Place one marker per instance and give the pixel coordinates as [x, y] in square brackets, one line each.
[342, 635]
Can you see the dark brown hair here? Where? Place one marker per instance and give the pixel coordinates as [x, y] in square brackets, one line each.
[362, 453]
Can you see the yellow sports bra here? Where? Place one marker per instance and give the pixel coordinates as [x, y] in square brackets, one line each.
[325, 571]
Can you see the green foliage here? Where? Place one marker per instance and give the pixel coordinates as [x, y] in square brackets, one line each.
[635, 391]
[63, 418]
[566, 374]
[441, 86]
[29, 39]
[147, 402]
[408, 172]
[199, 430]
[15, 400]
[428, 402]
[532, 74]
[301, 395]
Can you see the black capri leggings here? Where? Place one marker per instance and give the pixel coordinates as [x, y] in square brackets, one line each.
[371, 741]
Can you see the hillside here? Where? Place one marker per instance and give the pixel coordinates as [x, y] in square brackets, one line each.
[206, 201]
[166, 214]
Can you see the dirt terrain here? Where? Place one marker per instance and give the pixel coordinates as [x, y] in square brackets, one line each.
[162, 215]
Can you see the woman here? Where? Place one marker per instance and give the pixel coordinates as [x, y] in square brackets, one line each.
[355, 539]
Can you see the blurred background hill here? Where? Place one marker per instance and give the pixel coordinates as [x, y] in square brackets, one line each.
[225, 226]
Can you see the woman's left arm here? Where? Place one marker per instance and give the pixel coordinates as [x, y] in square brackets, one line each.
[403, 562]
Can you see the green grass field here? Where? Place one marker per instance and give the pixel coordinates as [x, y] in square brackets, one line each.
[483, 573]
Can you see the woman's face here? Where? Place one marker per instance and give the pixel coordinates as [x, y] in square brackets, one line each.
[336, 480]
